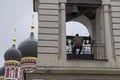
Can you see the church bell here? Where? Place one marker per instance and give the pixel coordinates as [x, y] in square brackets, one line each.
[74, 10]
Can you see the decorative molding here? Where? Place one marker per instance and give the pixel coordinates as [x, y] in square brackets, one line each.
[29, 58]
[2, 77]
[12, 61]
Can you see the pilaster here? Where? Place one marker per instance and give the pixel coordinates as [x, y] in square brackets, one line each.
[108, 30]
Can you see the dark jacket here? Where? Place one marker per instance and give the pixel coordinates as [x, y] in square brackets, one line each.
[77, 41]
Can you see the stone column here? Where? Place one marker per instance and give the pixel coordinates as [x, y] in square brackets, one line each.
[108, 30]
[62, 29]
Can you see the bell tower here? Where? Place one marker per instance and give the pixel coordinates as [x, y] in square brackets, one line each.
[99, 58]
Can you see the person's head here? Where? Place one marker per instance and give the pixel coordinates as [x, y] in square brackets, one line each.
[77, 35]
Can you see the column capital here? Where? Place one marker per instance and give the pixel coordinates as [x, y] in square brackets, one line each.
[62, 6]
[106, 8]
[62, 1]
[106, 2]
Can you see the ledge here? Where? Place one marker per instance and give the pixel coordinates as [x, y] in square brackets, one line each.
[78, 71]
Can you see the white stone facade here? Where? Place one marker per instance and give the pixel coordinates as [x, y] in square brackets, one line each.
[52, 35]
[52, 38]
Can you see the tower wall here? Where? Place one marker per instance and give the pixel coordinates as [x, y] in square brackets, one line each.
[115, 17]
[48, 27]
[51, 27]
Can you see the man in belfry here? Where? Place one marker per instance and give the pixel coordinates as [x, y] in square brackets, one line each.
[77, 43]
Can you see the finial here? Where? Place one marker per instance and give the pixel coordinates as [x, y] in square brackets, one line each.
[33, 26]
[14, 38]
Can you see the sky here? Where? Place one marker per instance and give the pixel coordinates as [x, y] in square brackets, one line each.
[74, 27]
[15, 14]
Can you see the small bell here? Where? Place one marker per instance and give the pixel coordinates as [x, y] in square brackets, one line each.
[74, 10]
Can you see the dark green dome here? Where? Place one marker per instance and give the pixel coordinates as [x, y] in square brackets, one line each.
[28, 47]
[12, 54]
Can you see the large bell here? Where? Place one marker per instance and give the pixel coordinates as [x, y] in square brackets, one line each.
[74, 10]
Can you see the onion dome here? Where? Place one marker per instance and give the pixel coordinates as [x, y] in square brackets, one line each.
[28, 47]
[2, 72]
[13, 53]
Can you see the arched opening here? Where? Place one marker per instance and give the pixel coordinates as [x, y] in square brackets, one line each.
[91, 30]
[73, 28]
